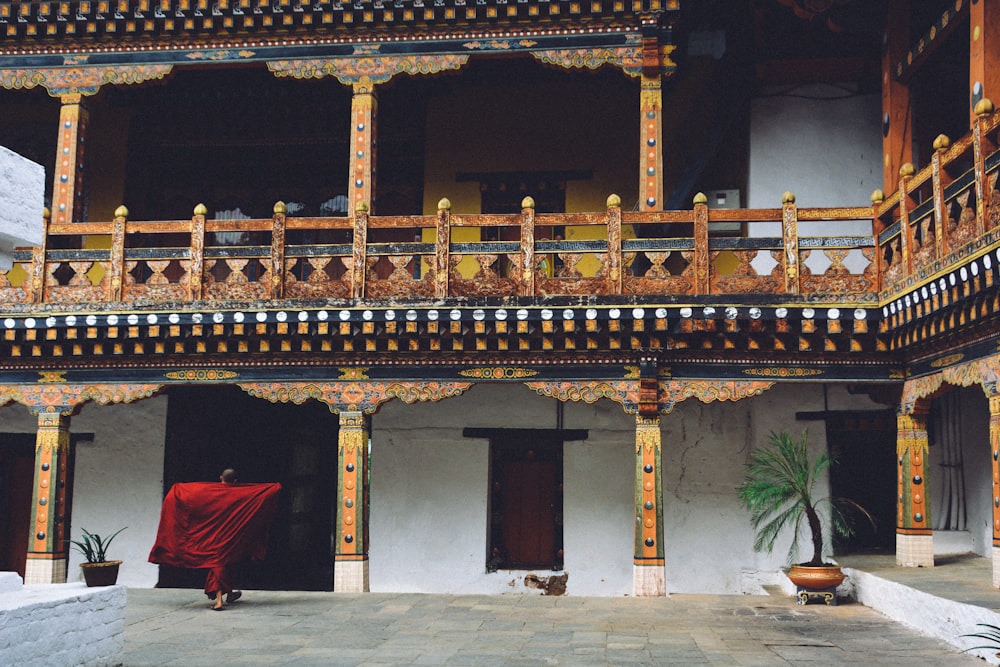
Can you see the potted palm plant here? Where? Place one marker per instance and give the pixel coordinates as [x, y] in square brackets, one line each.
[780, 490]
[98, 570]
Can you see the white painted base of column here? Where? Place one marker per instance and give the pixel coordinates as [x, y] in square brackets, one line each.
[996, 567]
[648, 581]
[350, 576]
[45, 571]
[914, 550]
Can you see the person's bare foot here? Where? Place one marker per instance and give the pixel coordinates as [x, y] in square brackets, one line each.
[218, 601]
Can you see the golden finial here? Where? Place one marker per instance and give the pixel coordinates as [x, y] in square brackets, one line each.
[527, 202]
[941, 142]
[201, 209]
[984, 107]
[361, 207]
[878, 197]
[280, 208]
[614, 200]
[444, 204]
[788, 197]
[46, 213]
[700, 198]
[121, 212]
[907, 170]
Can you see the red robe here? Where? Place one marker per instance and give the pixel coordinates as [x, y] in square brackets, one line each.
[214, 525]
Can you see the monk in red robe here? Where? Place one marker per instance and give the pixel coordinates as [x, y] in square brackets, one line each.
[215, 526]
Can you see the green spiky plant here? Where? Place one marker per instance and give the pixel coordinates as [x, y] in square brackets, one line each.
[94, 547]
[779, 490]
[990, 634]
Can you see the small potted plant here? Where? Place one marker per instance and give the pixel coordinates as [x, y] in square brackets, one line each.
[98, 570]
[779, 489]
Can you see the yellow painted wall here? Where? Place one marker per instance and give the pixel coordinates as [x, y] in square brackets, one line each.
[564, 121]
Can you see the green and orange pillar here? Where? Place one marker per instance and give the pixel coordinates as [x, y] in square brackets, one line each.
[350, 569]
[48, 550]
[914, 537]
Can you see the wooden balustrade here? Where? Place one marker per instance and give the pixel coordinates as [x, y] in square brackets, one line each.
[631, 254]
[940, 215]
[943, 212]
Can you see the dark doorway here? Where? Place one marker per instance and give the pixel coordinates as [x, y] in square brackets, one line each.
[864, 445]
[526, 478]
[17, 474]
[211, 428]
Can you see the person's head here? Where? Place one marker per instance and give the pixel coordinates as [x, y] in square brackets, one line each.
[228, 476]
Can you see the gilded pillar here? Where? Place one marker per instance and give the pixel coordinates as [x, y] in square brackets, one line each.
[648, 578]
[651, 172]
[995, 496]
[363, 114]
[914, 538]
[350, 571]
[50, 503]
[67, 189]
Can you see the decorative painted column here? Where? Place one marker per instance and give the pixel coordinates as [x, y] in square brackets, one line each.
[350, 570]
[897, 122]
[363, 114]
[48, 551]
[914, 538]
[995, 457]
[67, 190]
[648, 578]
[651, 172]
[984, 53]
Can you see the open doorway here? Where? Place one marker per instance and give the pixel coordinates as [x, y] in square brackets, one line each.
[212, 428]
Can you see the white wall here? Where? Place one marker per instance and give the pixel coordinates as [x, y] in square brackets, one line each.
[118, 479]
[428, 497]
[428, 518]
[820, 141]
[22, 193]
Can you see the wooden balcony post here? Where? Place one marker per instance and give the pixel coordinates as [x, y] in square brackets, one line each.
[650, 105]
[117, 263]
[359, 266]
[790, 242]
[48, 546]
[877, 227]
[939, 179]
[897, 121]
[277, 286]
[527, 247]
[905, 231]
[981, 146]
[364, 106]
[35, 287]
[67, 188]
[197, 269]
[614, 261]
[702, 260]
[984, 53]
[442, 243]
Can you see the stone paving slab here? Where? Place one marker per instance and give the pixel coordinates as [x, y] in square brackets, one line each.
[175, 627]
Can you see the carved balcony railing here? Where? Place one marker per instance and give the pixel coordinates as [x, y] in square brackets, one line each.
[943, 217]
[943, 214]
[659, 254]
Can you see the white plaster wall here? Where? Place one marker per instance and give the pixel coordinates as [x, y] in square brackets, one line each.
[118, 479]
[820, 141]
[119, 482]
[22, 192]
[708, 540]
[428, 521]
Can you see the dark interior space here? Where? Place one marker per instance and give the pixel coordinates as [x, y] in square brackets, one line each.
[212, 428]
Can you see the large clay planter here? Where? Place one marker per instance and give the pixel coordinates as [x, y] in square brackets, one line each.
[100, 574]
[815, 577]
